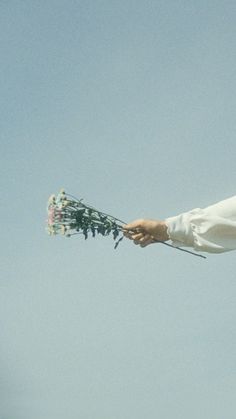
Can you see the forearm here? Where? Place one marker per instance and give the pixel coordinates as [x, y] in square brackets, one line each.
[212, 229]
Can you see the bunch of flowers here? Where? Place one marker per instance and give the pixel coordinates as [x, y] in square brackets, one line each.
[69, 216]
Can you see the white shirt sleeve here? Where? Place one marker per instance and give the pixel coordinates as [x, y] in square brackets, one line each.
[212, 229]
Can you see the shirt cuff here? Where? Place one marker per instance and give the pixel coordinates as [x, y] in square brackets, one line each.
[180, 230]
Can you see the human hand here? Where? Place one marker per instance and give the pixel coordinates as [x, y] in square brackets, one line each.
[144, 232]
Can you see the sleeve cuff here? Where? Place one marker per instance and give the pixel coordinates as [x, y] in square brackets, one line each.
[179, 229]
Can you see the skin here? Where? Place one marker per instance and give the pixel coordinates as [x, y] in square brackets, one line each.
[144, 232]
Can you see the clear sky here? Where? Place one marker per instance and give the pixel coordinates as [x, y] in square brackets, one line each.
[131, 106]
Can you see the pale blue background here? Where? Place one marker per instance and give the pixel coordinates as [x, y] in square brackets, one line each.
[130, 105]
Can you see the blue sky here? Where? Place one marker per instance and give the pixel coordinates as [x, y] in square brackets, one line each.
[131, 106]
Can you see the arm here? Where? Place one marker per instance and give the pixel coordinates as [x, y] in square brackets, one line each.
[212, 229]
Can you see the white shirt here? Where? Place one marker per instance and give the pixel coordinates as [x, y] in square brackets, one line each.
[212, 229]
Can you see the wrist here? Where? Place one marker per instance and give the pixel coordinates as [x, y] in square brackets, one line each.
[164, 231]
[160, 231]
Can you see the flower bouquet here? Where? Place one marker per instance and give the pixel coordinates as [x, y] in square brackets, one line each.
[69, 216]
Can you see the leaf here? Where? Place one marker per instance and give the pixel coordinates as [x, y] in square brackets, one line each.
[115, 233]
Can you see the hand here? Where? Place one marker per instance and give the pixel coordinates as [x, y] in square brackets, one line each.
[145, 232]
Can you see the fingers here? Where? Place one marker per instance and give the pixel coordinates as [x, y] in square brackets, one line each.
[147, 242]
[135, 225]
[138, 232]
[141, 239]
[127, 235]
[135, 236]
